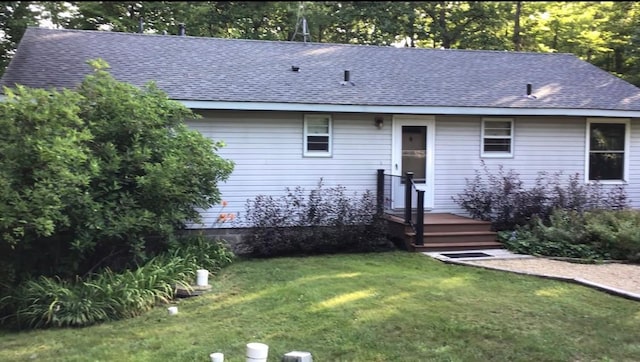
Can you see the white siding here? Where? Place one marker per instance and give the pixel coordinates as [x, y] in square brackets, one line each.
[267, 148]
[548, 144]
[633, 187]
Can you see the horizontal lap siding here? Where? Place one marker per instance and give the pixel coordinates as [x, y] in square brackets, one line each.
[633, 188]
[267, 150]
[540, 144]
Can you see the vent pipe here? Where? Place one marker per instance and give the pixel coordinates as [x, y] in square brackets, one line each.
[141, 25]
[346, 75]
[181, 29]
[529, 89]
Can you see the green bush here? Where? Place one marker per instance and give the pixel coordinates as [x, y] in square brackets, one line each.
[327, 220]
[597, 234]
[101, 176]
[616, 232]
[202, 252]
[502, 197]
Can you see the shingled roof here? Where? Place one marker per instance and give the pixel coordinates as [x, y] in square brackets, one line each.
[231, 70]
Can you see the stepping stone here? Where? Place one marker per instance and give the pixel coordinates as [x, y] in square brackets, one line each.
[196, 290]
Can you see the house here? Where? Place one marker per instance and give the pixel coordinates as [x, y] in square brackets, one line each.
[291, 113]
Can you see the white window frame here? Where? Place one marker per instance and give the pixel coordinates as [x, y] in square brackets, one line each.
[305, 150]
[627, 143]
[497, 154]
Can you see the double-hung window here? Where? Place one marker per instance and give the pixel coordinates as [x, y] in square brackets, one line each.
[497, 137]
[317, 135]
[608, 149]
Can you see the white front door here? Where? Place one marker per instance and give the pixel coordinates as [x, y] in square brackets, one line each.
[413, 151]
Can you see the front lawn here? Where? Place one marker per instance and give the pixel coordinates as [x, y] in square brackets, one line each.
[393, 306]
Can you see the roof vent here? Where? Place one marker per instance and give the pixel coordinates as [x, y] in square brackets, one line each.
[529, 95]
[141, 25]
[182, 29]
[347, 78]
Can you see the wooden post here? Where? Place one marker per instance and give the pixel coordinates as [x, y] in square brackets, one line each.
[408, 185]
[380, 193]
[420, 219]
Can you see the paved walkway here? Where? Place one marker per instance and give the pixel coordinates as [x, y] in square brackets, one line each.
[624, 281]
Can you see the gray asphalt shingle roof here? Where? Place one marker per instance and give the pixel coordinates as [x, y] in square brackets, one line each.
[211, 69]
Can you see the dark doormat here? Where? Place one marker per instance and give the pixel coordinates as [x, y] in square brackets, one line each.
[465, 255]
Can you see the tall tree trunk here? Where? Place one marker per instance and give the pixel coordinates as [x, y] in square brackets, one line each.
[618, 60]
[412, 25]
[517, 41]
[442, 24]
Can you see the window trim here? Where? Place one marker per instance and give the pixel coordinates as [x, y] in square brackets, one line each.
[627, 144]
[305, 137]
[511, 138]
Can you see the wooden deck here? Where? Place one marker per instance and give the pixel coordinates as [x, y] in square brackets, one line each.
[444, 232]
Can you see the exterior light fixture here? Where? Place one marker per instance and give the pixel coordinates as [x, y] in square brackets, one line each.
[379, 122]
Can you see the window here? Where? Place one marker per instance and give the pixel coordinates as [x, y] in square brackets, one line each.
[608, 142]
[497, 137]
[317, 135]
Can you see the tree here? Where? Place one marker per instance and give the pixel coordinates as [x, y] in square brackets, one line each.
[99, 176]
[15, 16]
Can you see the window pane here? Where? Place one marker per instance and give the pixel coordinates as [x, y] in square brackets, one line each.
[497, 145]
[606, 166]
[414, 151]
[607, 136]
[318, 143]
[317, 129]
[497, 124]
[497, 128]
[318, 126]
[497, 132]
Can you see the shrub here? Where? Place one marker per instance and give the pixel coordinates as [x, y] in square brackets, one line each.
[617, 232]
[326, 220]
[502, 198]
[203, 253]
[597, 234]
[99, 176]
[564, 236]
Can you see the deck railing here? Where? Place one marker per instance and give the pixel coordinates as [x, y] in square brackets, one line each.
[385, 201]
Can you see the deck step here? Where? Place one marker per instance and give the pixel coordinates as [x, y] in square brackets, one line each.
[457, 227]
[444, 232]
[456, 237]
[457, 246]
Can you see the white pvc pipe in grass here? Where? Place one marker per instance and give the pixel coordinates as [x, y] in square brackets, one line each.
[257, 352]
[203, 277]
[217, 357]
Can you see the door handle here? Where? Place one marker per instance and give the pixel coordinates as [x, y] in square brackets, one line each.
[396, 166]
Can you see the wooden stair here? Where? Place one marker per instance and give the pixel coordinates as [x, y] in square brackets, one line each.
[444, 232]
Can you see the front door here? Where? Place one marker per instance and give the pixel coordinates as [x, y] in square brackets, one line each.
[413, 151]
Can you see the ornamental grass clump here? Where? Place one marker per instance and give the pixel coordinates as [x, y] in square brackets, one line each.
[54, 302]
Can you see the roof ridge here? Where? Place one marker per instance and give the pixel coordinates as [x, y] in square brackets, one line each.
[121, 33]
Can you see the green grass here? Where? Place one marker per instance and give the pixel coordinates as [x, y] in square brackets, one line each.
[376, 307]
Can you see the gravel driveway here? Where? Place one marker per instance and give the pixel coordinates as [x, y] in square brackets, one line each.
[617, 278]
